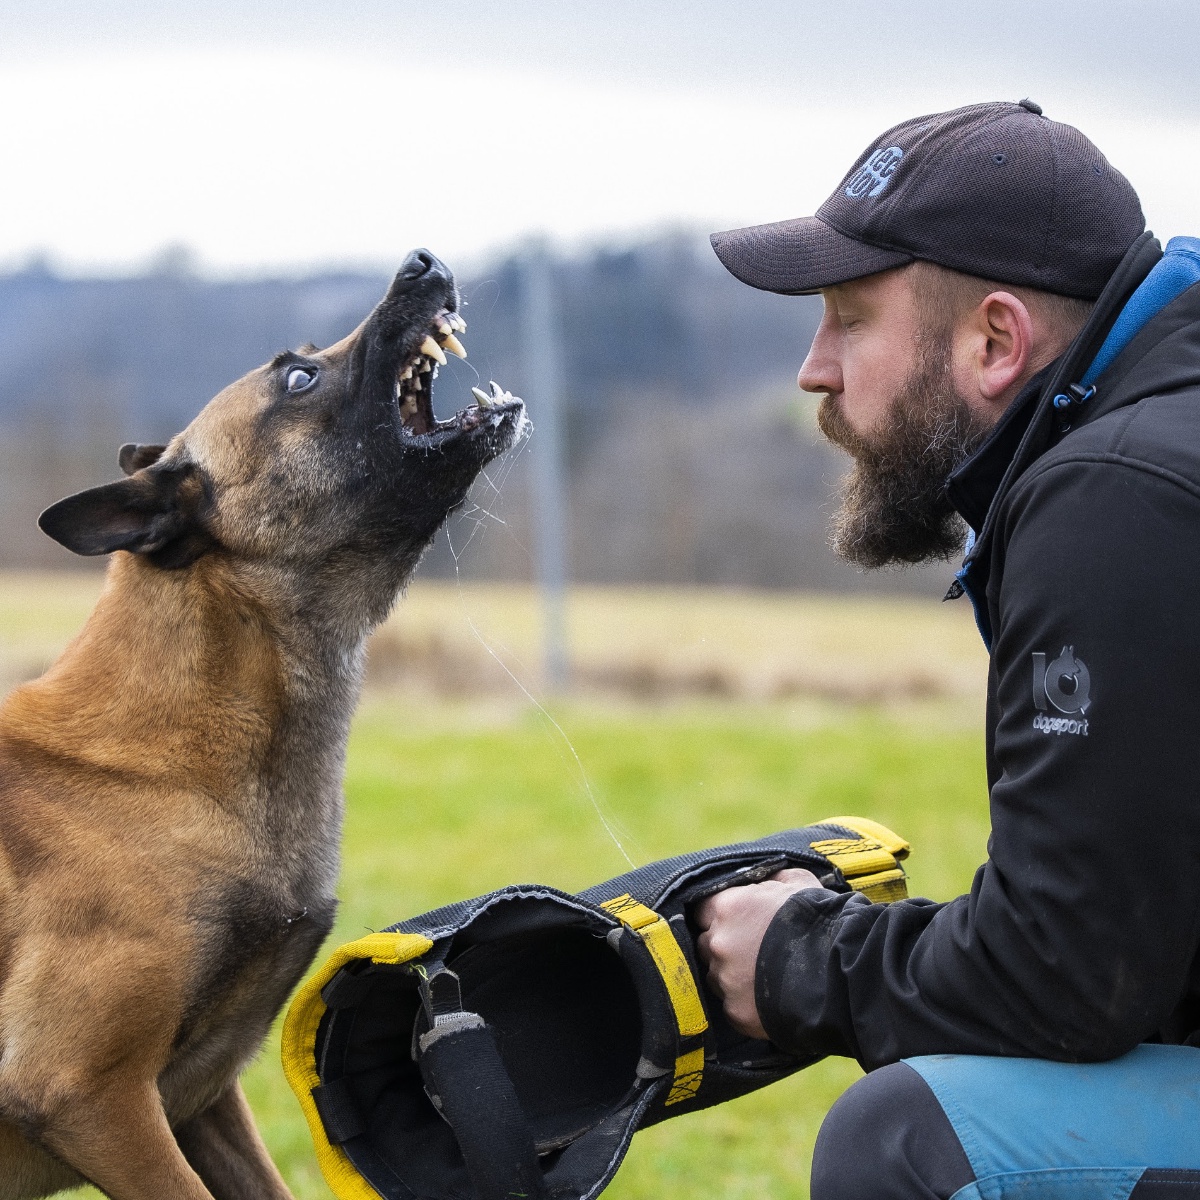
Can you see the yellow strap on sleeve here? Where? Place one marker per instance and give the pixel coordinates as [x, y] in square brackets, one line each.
[892, 842]
[659, 939]
[300, 1043]
[883, 887]
[870, 862]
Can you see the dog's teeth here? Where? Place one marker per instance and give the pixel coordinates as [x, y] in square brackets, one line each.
[416, 384]
[408, 373]
[485, 401]
[444, 327]
[431, 349]
[424, 367]
[409, 407]
[454, 346]
[458, 323]
[497, 390]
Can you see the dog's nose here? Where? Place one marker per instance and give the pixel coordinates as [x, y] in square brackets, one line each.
[421, 263]
[416, 265]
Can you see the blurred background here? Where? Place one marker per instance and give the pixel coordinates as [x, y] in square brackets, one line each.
[189, 189]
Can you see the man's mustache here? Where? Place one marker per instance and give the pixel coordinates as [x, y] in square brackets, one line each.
[836, 428]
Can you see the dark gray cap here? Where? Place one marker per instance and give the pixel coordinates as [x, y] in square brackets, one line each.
[994, 190]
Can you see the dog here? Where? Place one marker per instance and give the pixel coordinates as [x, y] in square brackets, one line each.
[170, 790]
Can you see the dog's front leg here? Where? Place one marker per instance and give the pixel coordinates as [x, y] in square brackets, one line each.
[119, 1140]
[225, 1148]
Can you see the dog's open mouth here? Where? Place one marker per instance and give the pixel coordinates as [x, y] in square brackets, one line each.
[414, 382]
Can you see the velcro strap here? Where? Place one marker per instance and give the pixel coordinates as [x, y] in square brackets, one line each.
[672, 965]
[467, 1082]
[339, 1113]
[882, 887]
[855, 856]
[871, 861]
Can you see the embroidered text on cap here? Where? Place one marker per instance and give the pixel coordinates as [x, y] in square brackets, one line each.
[877, 171]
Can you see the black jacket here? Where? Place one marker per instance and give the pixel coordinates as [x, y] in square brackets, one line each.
[1081, 935]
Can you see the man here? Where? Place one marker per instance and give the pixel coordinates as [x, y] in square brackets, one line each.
[1005, 346]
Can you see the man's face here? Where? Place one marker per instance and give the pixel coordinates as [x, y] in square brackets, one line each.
[890, 402]
[864, 348]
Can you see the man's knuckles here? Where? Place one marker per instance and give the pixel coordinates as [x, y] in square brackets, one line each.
[796, 878]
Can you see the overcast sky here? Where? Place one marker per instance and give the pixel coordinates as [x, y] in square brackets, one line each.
[286, 135]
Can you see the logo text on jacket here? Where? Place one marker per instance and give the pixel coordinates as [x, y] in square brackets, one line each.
[1063, 686]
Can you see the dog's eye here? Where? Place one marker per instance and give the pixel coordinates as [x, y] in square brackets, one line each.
[299, 378]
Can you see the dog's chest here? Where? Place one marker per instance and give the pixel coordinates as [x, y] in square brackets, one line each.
[260, 917]
[248, 968]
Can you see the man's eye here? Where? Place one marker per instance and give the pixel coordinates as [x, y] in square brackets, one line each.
[299, 378]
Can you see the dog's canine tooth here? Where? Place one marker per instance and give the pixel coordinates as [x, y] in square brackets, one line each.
[431, 349]
[485, 401]
[454, 346]
[458, 323]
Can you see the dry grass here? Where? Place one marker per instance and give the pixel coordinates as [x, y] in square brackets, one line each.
[657, 643]
[40, 611]
[645, 644]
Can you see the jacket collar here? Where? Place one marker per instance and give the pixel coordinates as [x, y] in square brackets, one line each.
[973, 486]
[1028, 425]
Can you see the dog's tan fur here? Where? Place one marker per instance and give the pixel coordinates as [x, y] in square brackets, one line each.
[170, 803]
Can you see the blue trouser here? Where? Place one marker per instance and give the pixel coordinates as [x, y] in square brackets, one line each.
[972, 1128]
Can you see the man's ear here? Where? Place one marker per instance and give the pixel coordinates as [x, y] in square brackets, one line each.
[156, 512]
[999, 337]
[133, 456]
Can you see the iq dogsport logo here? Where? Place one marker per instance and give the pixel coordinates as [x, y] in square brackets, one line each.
[1064, 686]
[875, 174]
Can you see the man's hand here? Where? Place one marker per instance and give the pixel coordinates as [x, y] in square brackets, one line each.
[734, 922]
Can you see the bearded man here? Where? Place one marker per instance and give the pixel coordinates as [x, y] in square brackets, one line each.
[1007, 353]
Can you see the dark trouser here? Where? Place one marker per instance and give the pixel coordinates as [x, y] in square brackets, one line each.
[1001, 1129]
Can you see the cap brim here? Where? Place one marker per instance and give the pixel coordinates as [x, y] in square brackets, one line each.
[800, 256]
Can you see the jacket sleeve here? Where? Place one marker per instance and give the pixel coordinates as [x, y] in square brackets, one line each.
[1079, 933]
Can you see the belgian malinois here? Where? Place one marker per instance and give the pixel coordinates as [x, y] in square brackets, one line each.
[170, 790]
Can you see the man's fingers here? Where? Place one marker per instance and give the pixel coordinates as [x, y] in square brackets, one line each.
[798, 877]
[714, 984]
[722, 904]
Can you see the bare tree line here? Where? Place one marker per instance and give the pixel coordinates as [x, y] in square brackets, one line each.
[692, 458]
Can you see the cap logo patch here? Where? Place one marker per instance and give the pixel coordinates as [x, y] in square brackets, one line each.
[875, 174]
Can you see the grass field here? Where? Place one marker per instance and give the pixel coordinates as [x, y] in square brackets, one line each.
[449, 797]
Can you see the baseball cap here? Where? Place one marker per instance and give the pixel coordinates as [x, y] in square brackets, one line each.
[996, 190]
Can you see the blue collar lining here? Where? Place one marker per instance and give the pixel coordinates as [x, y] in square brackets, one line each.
[1173, 274]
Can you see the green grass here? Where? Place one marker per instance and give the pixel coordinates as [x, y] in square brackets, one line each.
[445, 803]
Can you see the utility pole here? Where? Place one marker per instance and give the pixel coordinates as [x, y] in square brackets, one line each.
[541, 350]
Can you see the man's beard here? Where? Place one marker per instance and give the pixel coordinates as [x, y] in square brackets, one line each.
[894, 508]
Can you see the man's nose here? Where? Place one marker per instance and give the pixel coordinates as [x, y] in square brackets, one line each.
[821, 370]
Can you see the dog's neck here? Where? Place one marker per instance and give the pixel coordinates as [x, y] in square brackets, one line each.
[208, 683]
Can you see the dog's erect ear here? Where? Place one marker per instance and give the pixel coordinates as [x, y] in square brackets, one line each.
[133, 456]
[156, 512]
